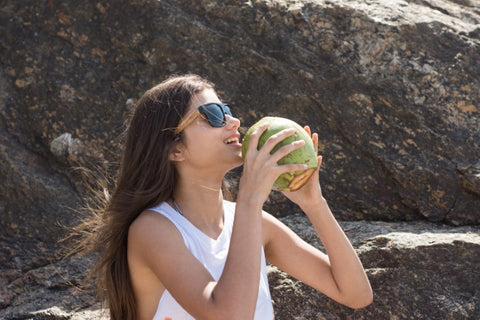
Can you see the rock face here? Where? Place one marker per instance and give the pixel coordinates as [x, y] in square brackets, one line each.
[392, 87]
[417, 270]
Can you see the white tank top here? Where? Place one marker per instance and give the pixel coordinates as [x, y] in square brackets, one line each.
[212, 254]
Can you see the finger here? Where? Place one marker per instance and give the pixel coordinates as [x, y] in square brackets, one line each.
[315, 141]
[307, 128]
[320, 159]
[255, 137]
[273, 140]
[291, 167]
[283, 151]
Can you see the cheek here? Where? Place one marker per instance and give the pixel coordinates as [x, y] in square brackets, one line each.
[198, 148]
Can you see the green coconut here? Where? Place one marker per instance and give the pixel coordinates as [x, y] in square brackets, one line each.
[289, 181]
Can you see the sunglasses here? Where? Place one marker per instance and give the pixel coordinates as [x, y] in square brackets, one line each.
[213, 112]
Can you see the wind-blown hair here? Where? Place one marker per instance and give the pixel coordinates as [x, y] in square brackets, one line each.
[146, 177]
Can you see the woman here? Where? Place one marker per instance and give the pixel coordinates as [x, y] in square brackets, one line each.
[173, 248]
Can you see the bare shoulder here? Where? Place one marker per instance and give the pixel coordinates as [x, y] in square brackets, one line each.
[281, 244]
[150, 224]
[268, 221]
[153, 243]
[272, 228]
[272, 224]
[152, 234]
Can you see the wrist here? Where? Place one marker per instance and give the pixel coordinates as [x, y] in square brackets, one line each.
[313, 206]
[251, 200]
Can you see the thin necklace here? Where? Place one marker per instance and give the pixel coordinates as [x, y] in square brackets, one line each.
[176, 207]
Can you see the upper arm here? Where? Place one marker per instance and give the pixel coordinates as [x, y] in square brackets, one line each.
[287, 251]
[157, 244]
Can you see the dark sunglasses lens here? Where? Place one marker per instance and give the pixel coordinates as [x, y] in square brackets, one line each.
[215, 113]
[226, 109]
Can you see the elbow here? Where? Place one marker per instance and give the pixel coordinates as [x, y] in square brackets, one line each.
[361, 301]
[231, 311]
[230, 314]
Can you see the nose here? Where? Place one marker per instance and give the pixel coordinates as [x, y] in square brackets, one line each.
[232, 122]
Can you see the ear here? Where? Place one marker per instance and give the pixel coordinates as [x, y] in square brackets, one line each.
[177, 152]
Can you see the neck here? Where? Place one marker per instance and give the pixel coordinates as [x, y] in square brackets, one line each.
[201, 202]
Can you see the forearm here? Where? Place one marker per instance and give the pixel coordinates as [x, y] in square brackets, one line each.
[238, 286]
[346, 268]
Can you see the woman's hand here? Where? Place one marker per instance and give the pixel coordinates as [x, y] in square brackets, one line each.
[339, 273]
[311, 193]
[260, 168]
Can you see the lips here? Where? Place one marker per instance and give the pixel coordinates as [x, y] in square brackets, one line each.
[232, 139]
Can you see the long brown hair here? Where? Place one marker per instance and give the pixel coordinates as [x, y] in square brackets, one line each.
[146, 177]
